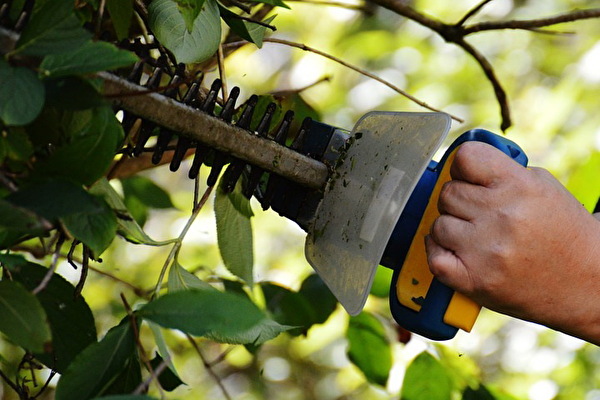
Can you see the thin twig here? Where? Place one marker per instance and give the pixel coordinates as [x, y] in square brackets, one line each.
[304, 88]
[177, 245]
[208, 367]
[101, 8]
[52, 268]
[10, 383]
[472, 12]
[143, 386]
[222, 74]
[136, 334]
[43, 388]
[359, 70]
[221, 357]
[137, 290]
[257, 22]
[85, 263]
[499, 91]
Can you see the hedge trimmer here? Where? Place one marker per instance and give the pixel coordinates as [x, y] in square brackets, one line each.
[365, 197]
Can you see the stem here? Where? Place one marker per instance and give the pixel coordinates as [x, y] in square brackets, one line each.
[52, 268]
[208, 367]
[177, 246]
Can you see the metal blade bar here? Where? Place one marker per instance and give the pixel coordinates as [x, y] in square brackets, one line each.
[204, 128]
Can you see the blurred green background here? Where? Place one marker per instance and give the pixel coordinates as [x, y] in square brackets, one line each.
[553, 84]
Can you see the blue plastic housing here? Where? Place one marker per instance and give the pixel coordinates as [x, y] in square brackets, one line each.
[428, 321]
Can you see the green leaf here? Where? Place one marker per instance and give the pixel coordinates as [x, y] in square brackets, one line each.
[182, 279]
[369, 348]
[250, 31]
[141, 194]
[168, 379]
[52, 29]
[21, 95]
[91, 57]
[189, 10]
[88, 218]
[193, 46]
[382, 282]
[15, 145]
[54, 199]
[72, 93]
[96, 367]
[289, 308]
[426, 379]
[147, 191]
[20, 220]
[316, 292]
[481, 393]
[161, 344]
[223, 317]
[127, 227]
[129, 378]
[234, 234]
[311, 305]
[22, 317]
[91, 140]
[121, 12]
[277, 3]
[71, 321]
[96, 229]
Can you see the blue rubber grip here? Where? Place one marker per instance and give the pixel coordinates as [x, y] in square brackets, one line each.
[428, 321]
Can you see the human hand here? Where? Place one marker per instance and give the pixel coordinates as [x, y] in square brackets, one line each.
[516, 241]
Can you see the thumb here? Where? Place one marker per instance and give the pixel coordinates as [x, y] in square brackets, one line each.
[447, 267]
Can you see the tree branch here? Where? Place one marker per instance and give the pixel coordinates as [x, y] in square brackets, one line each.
[360, 71]
[472, 12]
[533, 23]
[456, 33]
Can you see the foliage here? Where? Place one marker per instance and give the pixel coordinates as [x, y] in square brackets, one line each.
[261, 325]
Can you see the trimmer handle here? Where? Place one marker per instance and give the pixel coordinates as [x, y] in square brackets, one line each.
[418, 301]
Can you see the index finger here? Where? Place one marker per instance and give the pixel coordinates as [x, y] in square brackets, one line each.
[481, 164]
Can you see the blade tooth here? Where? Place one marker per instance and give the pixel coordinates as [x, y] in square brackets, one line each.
[246, 117]
[211, 99]
[227, 111]
[136, 73]
[299, 139]
[236, 167]
[184, 143]
[4, 8]
[24, 16]
[221, 159]
[143, 136]
[197, 162]
[256, 172]
[165, 135]
[147, 126]
[274, 179]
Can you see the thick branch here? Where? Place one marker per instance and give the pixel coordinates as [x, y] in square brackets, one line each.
[456, 33]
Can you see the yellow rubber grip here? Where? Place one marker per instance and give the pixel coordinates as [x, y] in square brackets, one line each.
[415, 278]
